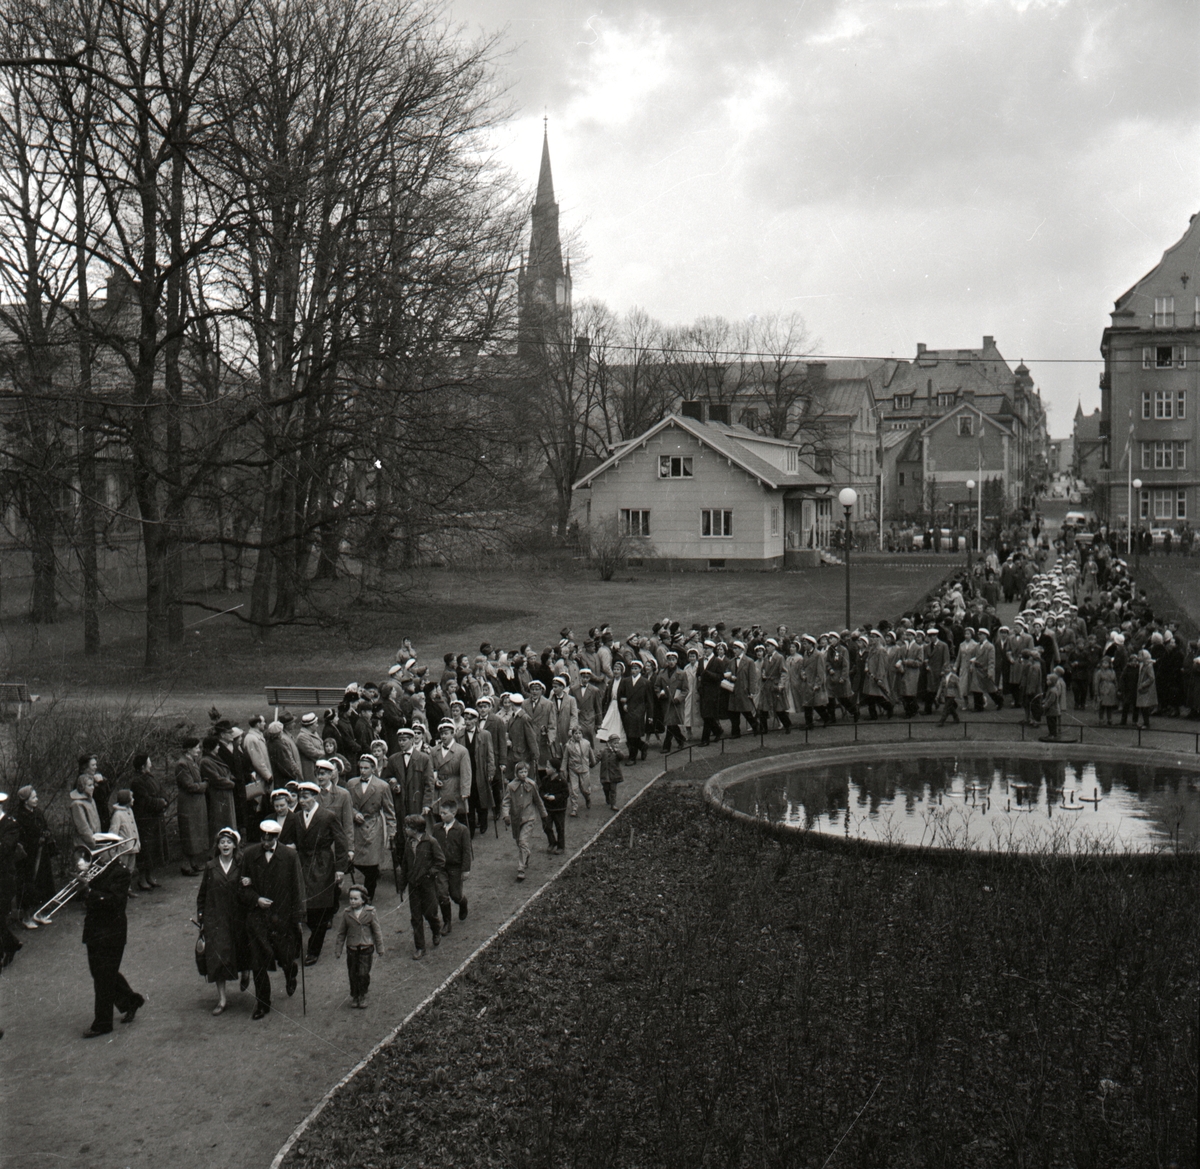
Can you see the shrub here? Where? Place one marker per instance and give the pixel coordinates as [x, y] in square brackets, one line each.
[609, 548]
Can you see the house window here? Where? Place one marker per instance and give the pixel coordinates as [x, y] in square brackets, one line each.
[1181, 404]
[1164, 356]
[1147, 399]
[1164, 456]
[1164, 311]
[1144, 506]
[901, 479]
[749, 419]
[823, 464]
[793, 460]
[715, 522]
[966, 425]
[946, 400]
[1165, 503]
[635, 521]
[902, 402]
[1164, 404]
[674, 467]
[774, 521]
[1181, 505]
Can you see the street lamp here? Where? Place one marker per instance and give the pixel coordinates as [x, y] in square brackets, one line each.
[970, 542]
[1137, 543]
[847, 497]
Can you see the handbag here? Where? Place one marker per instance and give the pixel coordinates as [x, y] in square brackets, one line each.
[201, 965]
[255, 788]
[726, 684]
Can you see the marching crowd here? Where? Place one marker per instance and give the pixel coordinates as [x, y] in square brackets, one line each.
[407, 773]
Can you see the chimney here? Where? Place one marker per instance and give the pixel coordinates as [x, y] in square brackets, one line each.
[583, 348]
[816, 371]
[920, 348]
[719, 412]
[119, 289]
[989, 342]
[968, 395]
[692, 409]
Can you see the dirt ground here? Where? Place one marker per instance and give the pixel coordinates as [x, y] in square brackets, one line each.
[180, 1088]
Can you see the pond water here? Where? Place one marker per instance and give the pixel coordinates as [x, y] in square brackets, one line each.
[984, 802]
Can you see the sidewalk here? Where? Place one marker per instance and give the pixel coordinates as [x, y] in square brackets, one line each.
[180, 1088]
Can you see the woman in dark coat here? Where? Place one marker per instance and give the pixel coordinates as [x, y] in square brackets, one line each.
[222, 812]
[223, 916]
[633, 700]
[191, 808]
[148, 807]
[36, 875]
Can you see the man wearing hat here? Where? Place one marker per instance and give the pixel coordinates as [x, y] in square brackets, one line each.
[104, 933]
[744, 671]
[772, 690]
[335, 799]
[451, 772]
[522, 737]
[671, 686]
[309, 745]
[566, 713]
[541, 715]
[589, 703]
[322, 848]
[497, 729]
[273, 893]
[409, 773]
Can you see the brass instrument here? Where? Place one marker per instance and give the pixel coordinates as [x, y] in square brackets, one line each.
[100, 858]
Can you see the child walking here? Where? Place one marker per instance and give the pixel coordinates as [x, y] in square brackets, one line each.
[611, 755]
[949, 694]
[552, 784]
[522, 808]
[455, 839]
[579, 759]
[358, 931]
[1105, 685]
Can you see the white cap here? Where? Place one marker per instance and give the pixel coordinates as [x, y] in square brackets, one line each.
[271, 827]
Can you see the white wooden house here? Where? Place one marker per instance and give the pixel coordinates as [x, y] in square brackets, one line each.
[711, 495]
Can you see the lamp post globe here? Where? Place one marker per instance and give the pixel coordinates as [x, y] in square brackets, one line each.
[970, 542]
[1136, 540]
[847, 497]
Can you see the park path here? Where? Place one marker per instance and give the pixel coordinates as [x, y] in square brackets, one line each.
[180, 1088]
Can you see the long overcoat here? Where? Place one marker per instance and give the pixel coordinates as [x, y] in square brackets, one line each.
[673, 690]
[321, 846]
[483, 768]
[273, 933]
[220, 910]
[191, 807]
[222, 811]
[373, 801]
[633, 699]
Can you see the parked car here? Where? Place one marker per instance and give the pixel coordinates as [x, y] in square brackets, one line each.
[944, 543]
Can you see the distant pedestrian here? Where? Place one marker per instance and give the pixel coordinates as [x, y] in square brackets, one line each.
[455, 840]
[420, 860]
[556, 794]
[611, 754]
[949, 694]
[522, 809]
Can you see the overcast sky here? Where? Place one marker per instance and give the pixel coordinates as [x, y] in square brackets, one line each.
[899, 171]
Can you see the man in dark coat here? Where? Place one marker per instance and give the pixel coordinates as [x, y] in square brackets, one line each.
[409, 772]
[497, 729]
[483, 768]
[10, 853]
[273, 893]
[322, 847]
[104, 934]
[421, 861]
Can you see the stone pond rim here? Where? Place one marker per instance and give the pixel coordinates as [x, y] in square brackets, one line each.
[803, 759]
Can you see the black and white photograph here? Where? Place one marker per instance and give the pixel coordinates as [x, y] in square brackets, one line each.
[599, 588]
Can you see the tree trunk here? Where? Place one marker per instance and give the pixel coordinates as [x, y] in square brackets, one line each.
[43, 602]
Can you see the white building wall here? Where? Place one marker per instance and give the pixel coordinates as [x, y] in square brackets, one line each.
[675, 505]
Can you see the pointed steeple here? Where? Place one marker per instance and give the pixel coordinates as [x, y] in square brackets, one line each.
[544, 284]
[545, 187]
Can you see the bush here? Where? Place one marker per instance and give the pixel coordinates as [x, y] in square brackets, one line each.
[43, 749]
[609, 547]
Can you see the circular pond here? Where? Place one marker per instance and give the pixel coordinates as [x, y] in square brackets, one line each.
[988, 797]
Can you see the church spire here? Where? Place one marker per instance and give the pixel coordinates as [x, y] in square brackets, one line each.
[545, 187]
[544, 285]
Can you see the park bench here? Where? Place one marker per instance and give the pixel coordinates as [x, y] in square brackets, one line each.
[15, 694]
[320, 696]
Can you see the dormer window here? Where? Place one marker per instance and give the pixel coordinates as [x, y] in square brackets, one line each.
[674, 467]
[902, 402]
[793, 460]
[946, 400]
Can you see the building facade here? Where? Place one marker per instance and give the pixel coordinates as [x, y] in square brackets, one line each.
[1148, 392]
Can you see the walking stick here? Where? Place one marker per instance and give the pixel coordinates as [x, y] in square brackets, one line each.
[303, 987]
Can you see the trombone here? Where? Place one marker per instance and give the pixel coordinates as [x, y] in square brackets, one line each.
[100, 858]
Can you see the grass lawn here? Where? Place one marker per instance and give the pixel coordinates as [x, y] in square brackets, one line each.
[691, 993]
[445, 611]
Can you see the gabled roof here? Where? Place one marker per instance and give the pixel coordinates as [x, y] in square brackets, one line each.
[719, 439]
[843, 397]
[965, 405]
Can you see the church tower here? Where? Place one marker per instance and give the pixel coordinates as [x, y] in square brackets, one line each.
[544, 283]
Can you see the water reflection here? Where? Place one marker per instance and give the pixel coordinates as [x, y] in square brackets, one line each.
[986, 803]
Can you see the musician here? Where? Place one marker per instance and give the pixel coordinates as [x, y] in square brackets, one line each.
[104, 933]
[10, 852]
[273, 893]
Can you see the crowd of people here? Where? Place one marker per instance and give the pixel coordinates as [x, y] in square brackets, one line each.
[279, 817]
